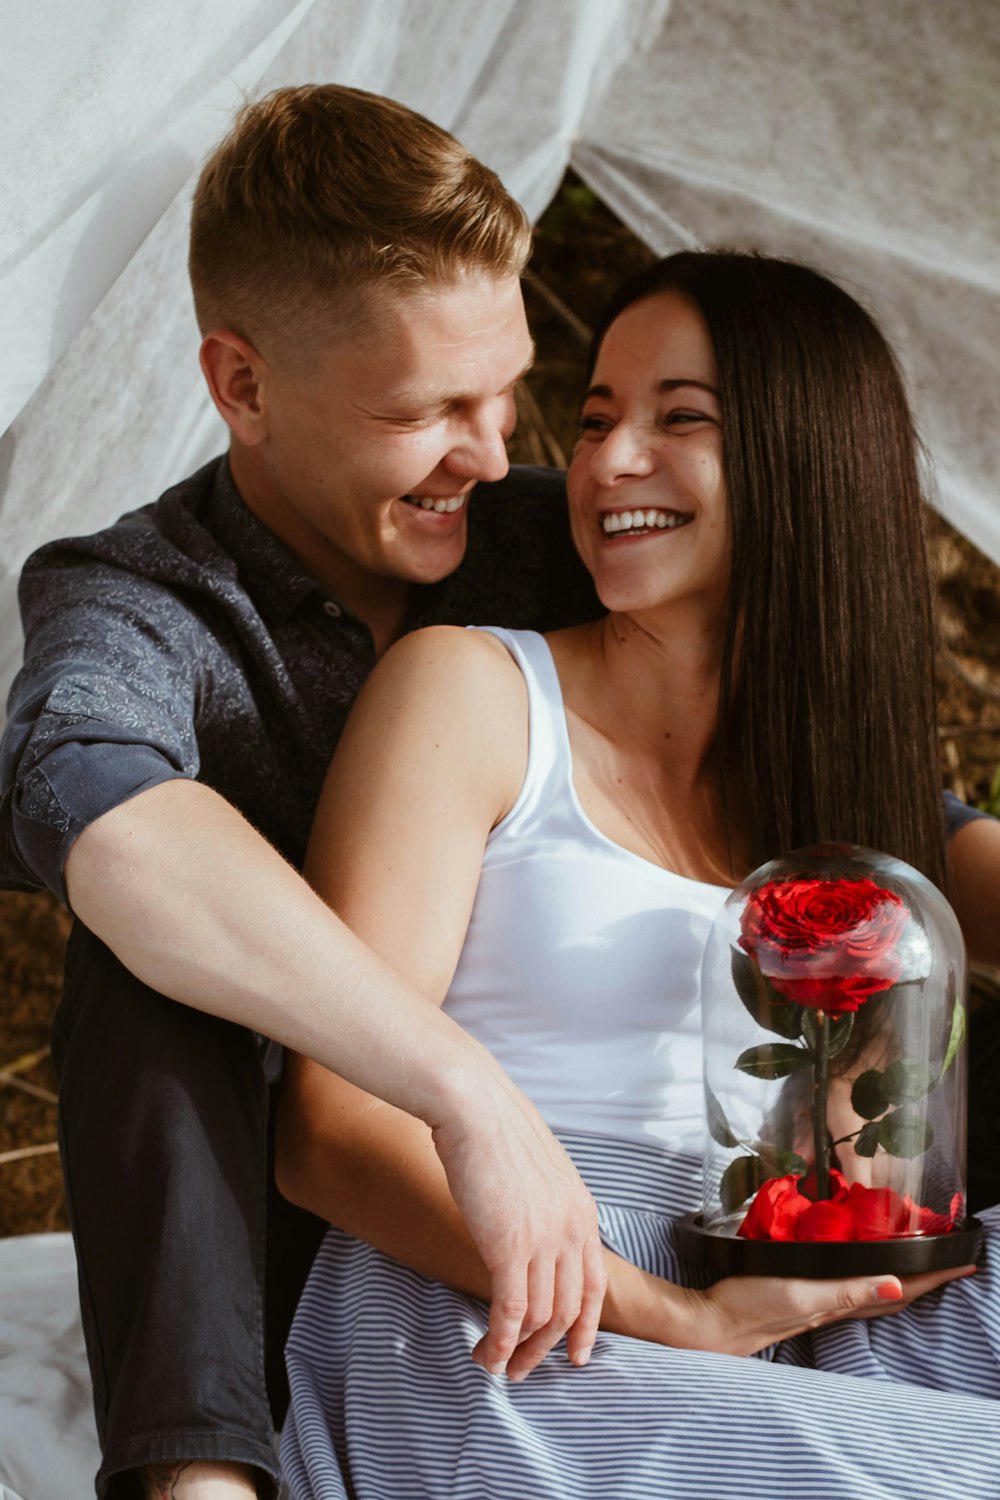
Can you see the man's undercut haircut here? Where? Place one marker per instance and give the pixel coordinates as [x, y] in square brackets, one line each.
[322, 196]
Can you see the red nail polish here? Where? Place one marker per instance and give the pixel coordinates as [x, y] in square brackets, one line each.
[888, 1291]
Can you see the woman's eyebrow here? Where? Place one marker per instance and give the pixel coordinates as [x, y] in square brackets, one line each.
[661, 387]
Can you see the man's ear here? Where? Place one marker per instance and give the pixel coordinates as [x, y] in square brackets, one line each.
[234, 372]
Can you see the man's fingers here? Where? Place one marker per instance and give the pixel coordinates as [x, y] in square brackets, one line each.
[529, 1355]
[508, 1307]
[533, 1222]
[581, 1337]
[558, 1286]
[580, 1289]
[574, 1290]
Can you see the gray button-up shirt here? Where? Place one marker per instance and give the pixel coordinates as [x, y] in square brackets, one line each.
[187, 641]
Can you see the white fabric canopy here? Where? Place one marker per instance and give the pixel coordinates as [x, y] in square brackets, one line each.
[863, 137]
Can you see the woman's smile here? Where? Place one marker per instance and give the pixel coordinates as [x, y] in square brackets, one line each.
[633, 523]
[649, 462]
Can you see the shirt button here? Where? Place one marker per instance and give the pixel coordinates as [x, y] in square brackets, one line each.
[332, 609]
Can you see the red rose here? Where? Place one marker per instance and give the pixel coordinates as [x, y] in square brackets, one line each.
[826, 943]
[879, 1213]
[926, 1221]
[782, 1210]
[774, 1210]
[827, 1220]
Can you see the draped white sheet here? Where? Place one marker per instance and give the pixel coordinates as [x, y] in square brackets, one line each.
[864, 137]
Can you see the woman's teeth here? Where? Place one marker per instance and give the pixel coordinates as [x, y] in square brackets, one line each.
[641, 521]
[442, 506]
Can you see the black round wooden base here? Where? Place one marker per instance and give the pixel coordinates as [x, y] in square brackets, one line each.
[731, 1256]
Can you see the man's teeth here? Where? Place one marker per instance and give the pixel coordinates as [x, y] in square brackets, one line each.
[443, 507]
[641, 520]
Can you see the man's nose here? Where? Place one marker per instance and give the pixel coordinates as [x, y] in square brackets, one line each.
[482, 452]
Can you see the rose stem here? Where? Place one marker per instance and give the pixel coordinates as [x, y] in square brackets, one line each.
[821, 1135]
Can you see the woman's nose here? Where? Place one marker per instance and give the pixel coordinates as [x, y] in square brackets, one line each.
[624, 453]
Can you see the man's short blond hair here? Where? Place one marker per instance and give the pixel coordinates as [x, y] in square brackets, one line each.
[322, 195]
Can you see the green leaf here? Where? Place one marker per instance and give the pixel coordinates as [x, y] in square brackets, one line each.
[868, 1139]
[718, 1125]
[739, 1181]
[838, 1030]
[768, 1008]
[957, 1036]
[868, 1096]
[772, 1060]
[905, 1133]
[779, 1163]
[840, 1033]
[904, 1081]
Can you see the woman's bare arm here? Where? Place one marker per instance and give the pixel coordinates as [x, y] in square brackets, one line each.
[974, 859]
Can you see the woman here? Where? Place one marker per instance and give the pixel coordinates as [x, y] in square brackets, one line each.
[538, 833]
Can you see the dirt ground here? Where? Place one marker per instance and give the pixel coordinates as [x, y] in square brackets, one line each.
[580, 251]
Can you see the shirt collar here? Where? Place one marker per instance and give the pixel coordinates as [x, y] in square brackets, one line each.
[272, 575]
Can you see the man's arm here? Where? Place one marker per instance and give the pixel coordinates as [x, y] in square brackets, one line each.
[199, 907]
[101, 805]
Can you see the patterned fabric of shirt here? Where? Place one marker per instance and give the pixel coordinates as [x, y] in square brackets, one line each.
[187, 641]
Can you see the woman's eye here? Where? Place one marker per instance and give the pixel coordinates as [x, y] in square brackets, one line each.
[594, 424]
[683, 418]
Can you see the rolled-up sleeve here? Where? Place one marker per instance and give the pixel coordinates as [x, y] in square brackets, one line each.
[957, 813]
[102, 709]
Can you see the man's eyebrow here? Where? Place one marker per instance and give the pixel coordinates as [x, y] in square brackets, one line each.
[661, 387]
[431, 398]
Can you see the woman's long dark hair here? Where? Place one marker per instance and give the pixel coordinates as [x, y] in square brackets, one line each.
[827, 696]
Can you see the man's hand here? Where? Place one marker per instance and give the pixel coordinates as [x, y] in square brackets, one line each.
[534, 1224]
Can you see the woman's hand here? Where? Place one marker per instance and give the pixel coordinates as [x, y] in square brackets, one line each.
[743, 1314]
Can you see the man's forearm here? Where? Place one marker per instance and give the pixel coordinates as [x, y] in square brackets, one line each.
[195, 903]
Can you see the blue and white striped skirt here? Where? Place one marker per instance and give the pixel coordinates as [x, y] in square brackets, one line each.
[387, 1404]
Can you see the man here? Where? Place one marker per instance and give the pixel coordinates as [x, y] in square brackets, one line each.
[187, 674]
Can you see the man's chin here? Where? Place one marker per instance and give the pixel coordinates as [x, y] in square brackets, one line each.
[431, 563]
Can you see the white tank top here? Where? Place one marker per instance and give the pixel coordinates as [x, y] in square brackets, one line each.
[581, 967]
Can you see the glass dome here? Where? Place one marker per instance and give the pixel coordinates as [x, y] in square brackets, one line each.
[834, 1017]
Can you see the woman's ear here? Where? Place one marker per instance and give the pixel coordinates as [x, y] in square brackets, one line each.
[234, 372]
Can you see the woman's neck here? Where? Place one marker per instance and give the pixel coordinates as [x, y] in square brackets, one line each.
[642, 710]
[659, 684]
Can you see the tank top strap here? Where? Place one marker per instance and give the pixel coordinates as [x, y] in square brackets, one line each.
[548, 776]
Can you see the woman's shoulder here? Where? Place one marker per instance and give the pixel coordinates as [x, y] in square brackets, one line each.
[462, 661]
[463, 684]
[448, 696]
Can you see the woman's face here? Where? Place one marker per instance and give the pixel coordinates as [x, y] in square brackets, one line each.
[647, 495]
